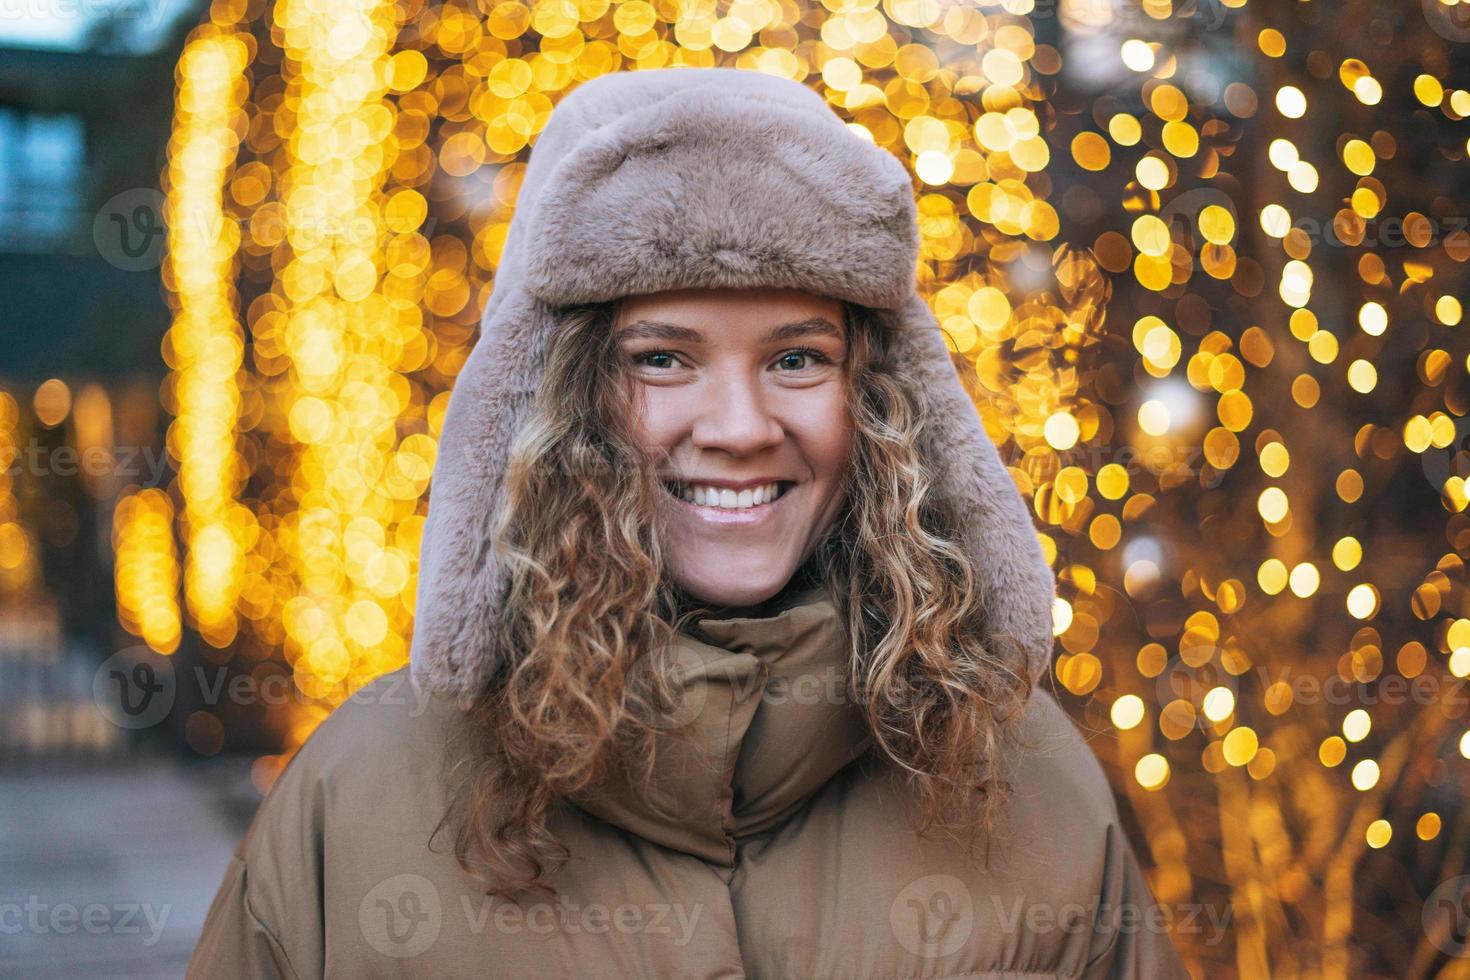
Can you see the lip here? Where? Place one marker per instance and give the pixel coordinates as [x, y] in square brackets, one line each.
[749, 517]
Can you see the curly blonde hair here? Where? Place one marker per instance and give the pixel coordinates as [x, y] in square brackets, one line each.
[590, 602]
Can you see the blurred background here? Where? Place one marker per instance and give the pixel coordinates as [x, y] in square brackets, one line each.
[1202, 264]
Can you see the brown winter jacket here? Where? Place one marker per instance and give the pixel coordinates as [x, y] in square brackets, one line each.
[789, 855]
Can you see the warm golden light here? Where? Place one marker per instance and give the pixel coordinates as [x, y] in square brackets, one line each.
[1128, 712]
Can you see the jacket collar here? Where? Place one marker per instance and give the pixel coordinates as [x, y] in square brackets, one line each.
[765, 720]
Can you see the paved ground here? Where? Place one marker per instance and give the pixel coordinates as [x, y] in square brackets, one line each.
[106, 870]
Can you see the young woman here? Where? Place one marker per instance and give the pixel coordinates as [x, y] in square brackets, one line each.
[729, 615]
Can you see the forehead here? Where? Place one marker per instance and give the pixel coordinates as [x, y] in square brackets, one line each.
[729, 312]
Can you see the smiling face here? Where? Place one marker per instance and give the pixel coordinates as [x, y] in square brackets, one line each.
[737, 390]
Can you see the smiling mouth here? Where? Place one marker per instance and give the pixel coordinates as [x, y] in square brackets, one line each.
[728, 500]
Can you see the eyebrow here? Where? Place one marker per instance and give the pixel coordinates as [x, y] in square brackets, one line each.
[659, 330]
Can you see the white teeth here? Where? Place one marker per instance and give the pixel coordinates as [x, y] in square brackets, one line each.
[727, 499]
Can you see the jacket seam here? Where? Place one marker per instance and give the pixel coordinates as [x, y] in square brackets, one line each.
[1102, 953]
[1110, 860]
[727, 819]
[269, 933]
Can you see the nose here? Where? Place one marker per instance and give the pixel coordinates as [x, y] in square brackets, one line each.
[734, 416]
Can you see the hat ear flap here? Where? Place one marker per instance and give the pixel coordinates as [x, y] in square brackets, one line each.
[1018, 586]
[461, 586]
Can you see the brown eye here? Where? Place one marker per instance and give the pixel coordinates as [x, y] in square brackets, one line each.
[642, 358]
[804, 352]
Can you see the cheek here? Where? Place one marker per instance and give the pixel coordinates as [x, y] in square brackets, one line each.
[826, 434]
[659, 416]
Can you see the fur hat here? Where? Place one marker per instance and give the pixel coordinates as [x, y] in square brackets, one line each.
[672, 178]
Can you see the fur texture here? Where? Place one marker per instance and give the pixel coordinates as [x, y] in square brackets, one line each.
[699, 177]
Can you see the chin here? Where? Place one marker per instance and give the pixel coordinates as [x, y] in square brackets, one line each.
[732, 591]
